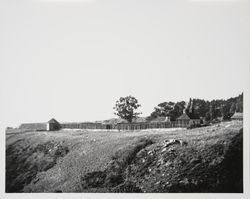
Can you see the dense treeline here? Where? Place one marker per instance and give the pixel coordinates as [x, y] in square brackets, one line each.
[199, 108]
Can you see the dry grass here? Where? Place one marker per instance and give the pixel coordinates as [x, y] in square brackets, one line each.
[91, 151]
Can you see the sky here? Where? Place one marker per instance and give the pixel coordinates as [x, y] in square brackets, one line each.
[71, 60]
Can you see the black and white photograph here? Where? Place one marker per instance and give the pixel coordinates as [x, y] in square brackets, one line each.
[107, 97]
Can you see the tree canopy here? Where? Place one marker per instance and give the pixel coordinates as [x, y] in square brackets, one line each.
[199, 108]
[126, 107]
[168, 109]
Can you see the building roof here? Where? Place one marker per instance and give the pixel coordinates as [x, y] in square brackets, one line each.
[53, 121]
[184, 116]
[113, 121]
[119, 120]
[159, 119]
[139, 119]
[33, 126]
[237, 115]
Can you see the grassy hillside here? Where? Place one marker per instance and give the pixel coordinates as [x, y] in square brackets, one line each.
[207, 159]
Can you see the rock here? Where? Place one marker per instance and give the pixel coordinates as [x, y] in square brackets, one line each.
[171, 151]
[160, 162]
[193, 181]
[185, 181]
[180, 162]
[168, 164]
[169, 142]
[195, 161]
[216, 161]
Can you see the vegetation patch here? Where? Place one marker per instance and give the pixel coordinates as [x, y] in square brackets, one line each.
[24, 161]
[113, 178]
[214, 168]
[202, 160]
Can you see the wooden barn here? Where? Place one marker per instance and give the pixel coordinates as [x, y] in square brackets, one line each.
[53, 125]
[237, 116]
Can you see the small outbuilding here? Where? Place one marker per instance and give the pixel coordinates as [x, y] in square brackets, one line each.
[184, 120]
[237, 116]
[111, 123]
[53, 125]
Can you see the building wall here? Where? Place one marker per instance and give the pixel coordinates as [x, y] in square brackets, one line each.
[83, 125]
[33, 126]
[196, 121]
[238, 118]
[183, 123]
[148, 125]
[53, 126]
[127, 126]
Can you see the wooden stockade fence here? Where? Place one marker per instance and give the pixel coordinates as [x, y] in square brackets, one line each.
[118, 126]
[127, 126]
[148, 125]
[84, 125]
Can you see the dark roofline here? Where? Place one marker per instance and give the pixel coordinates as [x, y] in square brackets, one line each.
[184, 116]
[53, 121]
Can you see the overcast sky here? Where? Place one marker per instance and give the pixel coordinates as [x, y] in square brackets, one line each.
[72, 60]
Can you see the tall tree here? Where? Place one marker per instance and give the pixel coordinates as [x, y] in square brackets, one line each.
[197, 108]
[210, 114]
[177, 110]
[232, 108]
[168, 109]
[126, 107]
[190, 109]
[225, 111]
[239, 103]
[162, 110]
